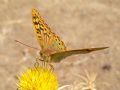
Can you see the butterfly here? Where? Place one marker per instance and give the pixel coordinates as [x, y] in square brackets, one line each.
[53, 48]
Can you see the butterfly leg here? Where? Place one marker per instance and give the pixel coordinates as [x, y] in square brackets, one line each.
[51, 67]
[37, 63]
[45, 63]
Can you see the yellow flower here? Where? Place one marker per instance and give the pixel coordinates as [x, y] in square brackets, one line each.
[38, 79]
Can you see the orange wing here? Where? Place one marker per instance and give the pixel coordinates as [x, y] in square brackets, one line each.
[46, 38]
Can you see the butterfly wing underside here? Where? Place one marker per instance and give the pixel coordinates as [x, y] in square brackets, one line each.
[46, 38]
[51, 43]
[57, 57]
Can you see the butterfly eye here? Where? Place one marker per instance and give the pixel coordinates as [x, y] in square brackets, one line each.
[41, 54]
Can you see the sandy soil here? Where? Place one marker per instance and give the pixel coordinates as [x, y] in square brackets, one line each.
[79, 23]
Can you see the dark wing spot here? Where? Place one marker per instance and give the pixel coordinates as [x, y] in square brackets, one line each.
[39, 37]
[36, 23]
[46, 34]
[59, 43]
[35, 17]
[41, 25]
[56, 39]
[62, 42]
[45, 29]
[41, 28]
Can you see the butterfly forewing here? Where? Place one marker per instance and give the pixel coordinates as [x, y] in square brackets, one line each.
[46, 38]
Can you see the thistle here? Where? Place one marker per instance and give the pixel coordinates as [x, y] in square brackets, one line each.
[38, 78]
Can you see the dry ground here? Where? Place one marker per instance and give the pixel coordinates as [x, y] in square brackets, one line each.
[79, 23]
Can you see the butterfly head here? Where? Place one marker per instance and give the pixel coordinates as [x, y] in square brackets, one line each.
[45, 56]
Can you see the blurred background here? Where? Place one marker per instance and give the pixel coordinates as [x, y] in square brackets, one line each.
[79, 23]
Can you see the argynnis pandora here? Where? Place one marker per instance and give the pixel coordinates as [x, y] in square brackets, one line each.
[52, 47]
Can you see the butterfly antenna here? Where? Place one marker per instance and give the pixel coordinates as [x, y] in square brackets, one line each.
[26, 45]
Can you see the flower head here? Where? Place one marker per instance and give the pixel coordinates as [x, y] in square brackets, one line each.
[38, 78]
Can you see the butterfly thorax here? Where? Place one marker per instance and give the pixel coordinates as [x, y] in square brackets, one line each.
[46, 54]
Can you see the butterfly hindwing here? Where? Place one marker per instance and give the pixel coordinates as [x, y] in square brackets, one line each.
[57, 57]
